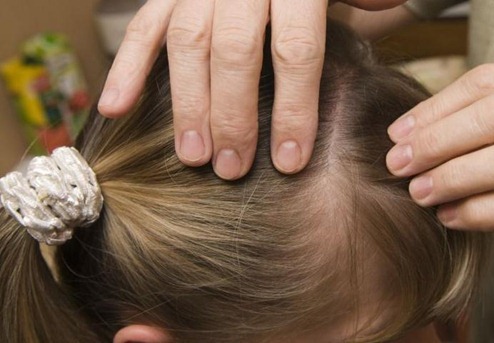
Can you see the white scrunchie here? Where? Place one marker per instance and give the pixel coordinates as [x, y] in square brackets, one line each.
[59, 193]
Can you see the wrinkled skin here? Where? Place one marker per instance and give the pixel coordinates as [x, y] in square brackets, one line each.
[215, 53]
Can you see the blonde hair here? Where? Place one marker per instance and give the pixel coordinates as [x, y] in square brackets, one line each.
[266, 257]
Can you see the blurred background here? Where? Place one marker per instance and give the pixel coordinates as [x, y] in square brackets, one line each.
[78, 39]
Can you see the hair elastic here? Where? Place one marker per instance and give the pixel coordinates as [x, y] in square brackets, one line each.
[59, 193]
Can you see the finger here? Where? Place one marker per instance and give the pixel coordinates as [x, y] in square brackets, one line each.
[135, 58]
[471, 87]
[298, 45]
[462, 132]
[236, 61]
[188, 44]
[474, 213]
[372, 5]
[456, 179]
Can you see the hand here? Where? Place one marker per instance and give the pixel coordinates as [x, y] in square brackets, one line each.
[373, 5]
[448, 140]
[215, 55]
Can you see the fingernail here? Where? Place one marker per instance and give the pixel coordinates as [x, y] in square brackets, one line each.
[109, 97]
[228, 164]
[447, 213]
[421, 187]
[289, 156]
[192, 146]
[399, 157]
[401, 127]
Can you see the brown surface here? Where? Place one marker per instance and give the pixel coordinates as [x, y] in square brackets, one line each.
[433, 38]
[19, 20]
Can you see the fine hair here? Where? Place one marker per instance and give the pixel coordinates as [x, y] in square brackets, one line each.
[267, 258]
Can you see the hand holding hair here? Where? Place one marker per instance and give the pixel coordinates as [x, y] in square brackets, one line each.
[215, 50]
[446, 143]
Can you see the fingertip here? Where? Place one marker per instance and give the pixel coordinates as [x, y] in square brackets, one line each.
[399, 159]
[421, 190]
[401, 128]
[293, 138]
[113, 104]
[111, 111]
[448, 215]
[192, 149]
[233, 162]
[228, 165]
[287, 158]
[390, 133]
[108, 103]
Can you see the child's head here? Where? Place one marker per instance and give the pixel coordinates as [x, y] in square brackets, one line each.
[336, 253]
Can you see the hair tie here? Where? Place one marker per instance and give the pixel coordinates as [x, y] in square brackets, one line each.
[59, 193]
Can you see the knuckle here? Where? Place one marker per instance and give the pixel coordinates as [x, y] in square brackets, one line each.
[187, 33]
[236, 129]
[452, 177]
[294, 119]
[481, 122]
[237, 46]
[140, 28]
[482, 77]
[474, 215]
[189, 107]
[427, 146]
[298, 47]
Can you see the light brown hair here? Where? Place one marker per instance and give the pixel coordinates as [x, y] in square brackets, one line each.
[267, 257]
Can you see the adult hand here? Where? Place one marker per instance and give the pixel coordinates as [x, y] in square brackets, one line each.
[373, 5]
[448, 141]
[215, 55]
